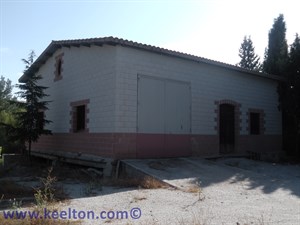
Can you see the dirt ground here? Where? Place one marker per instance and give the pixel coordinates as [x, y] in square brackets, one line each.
[230, 191]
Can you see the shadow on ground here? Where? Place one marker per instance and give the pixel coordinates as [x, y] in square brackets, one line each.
[20, 180]
[183, 172]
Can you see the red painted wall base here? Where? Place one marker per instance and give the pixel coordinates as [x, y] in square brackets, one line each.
[132, 145]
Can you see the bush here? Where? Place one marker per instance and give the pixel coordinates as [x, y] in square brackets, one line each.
[45, 194]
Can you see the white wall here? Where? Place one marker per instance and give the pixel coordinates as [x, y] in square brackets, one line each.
[88, 73]
[108, 77]
[209, 84]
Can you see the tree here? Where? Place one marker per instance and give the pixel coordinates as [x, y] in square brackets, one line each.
[276, 62]
[31, 120]
[6, 111]
[5, 92]
[249, 60]
[276, 55]
[291, 100]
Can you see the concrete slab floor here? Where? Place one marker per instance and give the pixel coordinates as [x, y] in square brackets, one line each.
[188, 173]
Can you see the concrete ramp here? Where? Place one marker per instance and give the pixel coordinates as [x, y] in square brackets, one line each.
[182, 173]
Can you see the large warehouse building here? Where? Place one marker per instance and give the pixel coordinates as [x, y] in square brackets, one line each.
[119, 99]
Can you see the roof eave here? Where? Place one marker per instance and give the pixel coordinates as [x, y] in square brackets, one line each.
[54, 45]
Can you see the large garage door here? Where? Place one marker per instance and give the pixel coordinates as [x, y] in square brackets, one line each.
[163, 118]
[151, 106]
[177, 108]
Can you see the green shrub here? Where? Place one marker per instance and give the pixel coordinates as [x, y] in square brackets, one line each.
[45, 194]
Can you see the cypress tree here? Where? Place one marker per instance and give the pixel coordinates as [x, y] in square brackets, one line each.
[276, 55]
[249, 60]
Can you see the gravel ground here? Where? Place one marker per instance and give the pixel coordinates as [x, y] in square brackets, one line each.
[241, 192]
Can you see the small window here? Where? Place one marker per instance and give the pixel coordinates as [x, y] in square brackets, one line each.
[59, 64]
[58, 67]
[80, 118]
[254, 123]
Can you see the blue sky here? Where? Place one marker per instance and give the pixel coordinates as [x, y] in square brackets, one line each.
[209, 28]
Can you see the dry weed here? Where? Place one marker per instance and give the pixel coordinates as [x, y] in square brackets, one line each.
[152, 183]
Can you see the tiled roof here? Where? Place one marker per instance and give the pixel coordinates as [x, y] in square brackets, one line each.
[54, 45]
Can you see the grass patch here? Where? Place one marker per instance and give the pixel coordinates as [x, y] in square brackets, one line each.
[93, 186]
[44, 197]
[45, 194]
[146, 182]
[152, 183]
[194, 189]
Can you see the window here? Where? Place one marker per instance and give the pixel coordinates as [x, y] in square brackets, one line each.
[58, 67]
[254, 123]
[80, 118]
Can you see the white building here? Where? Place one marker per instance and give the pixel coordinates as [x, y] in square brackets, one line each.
[121, 99]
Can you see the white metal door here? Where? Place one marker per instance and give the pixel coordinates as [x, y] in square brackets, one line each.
[163, 118]
[151, 105]
[163, 106]
[177, 108]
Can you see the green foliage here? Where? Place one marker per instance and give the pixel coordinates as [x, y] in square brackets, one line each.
[5, 97]
[293, 77]
[15, 204]
[30, 122]
[249, 60]
[276, 55]
[7, 118]
[290, 98]
[279, 61]
[45, 194]
[5, 93]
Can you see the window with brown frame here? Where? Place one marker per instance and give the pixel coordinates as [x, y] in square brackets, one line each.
[80, 118]
[254, 123]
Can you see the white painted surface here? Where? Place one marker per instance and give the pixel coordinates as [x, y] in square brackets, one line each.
[88, 73]
[108, 77]
[177, 105]
[163, 106]
[208, 84]
[151, 105]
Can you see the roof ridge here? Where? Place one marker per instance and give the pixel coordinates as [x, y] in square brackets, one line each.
[127, 41]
